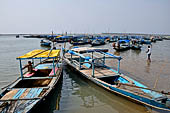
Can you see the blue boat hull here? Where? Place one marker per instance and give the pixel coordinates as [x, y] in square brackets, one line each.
[46, 44]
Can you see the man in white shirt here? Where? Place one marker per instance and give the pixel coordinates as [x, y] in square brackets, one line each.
[149, 53]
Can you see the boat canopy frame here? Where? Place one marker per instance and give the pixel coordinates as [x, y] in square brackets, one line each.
[89, 60]
[39, 54]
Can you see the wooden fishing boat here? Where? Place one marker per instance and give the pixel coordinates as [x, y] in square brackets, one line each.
[121, 45]
[113, 39]
[45, 43]
[98, 41]
[28, 91]
[80, 40]
[145, 40]
[91, 64]
[135, 44]
[17, 36]
[62, 39]
[166, 38]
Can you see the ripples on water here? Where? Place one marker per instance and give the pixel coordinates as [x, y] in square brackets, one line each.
[78, 95]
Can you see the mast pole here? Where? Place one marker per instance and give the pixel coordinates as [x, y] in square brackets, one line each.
[21, 68]
[52, 39]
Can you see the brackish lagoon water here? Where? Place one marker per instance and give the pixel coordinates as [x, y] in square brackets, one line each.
[78, 95]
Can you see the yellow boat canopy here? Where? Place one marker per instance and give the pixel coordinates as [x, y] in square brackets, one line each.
[37, 54]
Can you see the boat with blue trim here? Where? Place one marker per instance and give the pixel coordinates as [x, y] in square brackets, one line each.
[80, 40]
[45, 43]
[62, 39]
[91, 64]
[33, 87]
[121, 45]
[135, 44]
[113, 38]
[145, 40]
[97, 41]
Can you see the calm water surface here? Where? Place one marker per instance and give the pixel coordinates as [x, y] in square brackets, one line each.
[78, 95]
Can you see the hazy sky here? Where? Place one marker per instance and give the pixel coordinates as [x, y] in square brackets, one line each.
[84, 16]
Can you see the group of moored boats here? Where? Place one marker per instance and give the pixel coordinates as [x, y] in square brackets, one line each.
[119, 43]
[30, 89]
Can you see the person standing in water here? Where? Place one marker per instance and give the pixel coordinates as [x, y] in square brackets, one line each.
[149, 53]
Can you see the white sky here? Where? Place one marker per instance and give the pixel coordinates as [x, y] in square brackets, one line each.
[84, 16]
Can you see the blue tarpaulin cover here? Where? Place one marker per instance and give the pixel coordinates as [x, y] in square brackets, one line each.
[127, 41]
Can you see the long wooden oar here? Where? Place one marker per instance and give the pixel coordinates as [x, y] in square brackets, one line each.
[168, 93]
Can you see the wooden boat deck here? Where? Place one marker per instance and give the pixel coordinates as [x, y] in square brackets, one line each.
[22, 99]
[104, 72]
[22, 93]
[134, 90]
[98, 72]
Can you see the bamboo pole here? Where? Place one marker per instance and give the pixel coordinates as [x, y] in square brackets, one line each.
[156, 81]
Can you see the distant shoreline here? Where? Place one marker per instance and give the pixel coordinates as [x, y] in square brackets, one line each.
[22, 34]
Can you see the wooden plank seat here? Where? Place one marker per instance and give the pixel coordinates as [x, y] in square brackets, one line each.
[22, 93]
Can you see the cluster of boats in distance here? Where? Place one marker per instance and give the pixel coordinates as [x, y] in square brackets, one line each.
[32, 88]
[119, 42]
